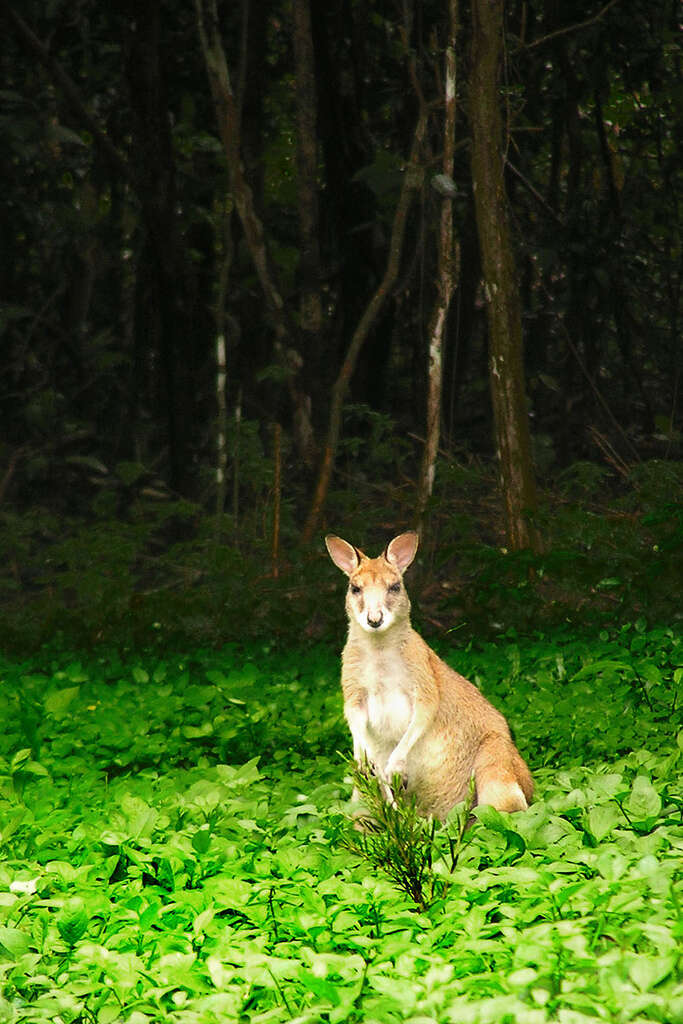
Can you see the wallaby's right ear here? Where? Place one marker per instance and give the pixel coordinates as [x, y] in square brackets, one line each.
[402, 550]
[344, 555]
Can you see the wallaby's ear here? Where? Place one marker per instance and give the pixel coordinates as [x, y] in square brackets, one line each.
[344, 555]
[401, 550]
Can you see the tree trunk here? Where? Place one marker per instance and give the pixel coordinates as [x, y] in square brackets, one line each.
[310, 300]
[502, 293]
[447, 258]
[229, 126]
[463, 321]
[224, 253]
[632, 378]
[156, 188]
[310, 304]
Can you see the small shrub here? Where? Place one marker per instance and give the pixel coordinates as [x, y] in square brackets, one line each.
[393, 836]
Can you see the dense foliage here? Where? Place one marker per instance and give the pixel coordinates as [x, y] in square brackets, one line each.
[166, 573]
[127, 256]
[173, 845]
[144, 493]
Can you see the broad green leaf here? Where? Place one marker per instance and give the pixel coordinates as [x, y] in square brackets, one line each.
[73, 921]
[648, 971]
[194, 732]
[247, 774]
[594, 668]
[20, 759]
[644, 800]
[58, 702]
[603, 818]
[14, 942]
[159, 673]
[611, 863]
[201, 921]
[75, 672]
[201, 840]
[321, 987]
[607, 784]
[492, 818]
[649, 671]
[30, 768]
[523, 977]
[216, 676]
[141, 816]
[109, 1013]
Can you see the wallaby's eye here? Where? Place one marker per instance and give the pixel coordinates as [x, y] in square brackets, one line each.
[394, 588]
[355, 589]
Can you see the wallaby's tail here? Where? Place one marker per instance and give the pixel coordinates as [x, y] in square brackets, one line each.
[523, 776]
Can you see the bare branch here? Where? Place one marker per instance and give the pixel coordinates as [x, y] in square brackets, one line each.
[229, 128]
[534, 192]
[569, 28]
[412, 180]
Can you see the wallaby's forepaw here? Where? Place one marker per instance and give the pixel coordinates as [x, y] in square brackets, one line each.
[395, 768]
[387, 792]
[393, 780]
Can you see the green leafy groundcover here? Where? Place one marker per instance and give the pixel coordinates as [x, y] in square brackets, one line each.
[172, 845]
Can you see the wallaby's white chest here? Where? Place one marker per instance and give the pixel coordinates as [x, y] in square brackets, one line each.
[389, 691]
[389, 714]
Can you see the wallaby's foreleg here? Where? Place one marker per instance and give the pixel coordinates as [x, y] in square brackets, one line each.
[420, 721]
[495, 777]
[357, 718]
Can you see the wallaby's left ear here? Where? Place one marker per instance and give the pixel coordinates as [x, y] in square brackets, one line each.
[344, 555]
[401, 550]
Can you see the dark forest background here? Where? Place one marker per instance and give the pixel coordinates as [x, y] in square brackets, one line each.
[197, 266]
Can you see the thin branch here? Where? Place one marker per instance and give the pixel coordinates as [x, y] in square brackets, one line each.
[413, 175]
[569, 28]
[448, 253]
[595, 389]
[277, 494]
[611, 455]
[230, 131]
[535, 193]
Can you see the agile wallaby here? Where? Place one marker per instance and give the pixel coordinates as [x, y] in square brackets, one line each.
[409, 713]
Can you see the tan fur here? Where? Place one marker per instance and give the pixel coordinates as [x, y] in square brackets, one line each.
[409, 713]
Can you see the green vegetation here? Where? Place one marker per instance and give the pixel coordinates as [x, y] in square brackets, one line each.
[392, 835]
[196, 281]
[165, 571]
[174, 840]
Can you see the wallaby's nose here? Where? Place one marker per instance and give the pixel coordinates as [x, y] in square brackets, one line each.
[375, 622]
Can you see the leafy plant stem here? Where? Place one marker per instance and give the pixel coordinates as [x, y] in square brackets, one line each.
[280, 990]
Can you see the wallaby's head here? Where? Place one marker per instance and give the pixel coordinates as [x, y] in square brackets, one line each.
[376, 598]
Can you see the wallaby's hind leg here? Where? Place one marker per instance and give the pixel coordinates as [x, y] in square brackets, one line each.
[498, 777]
